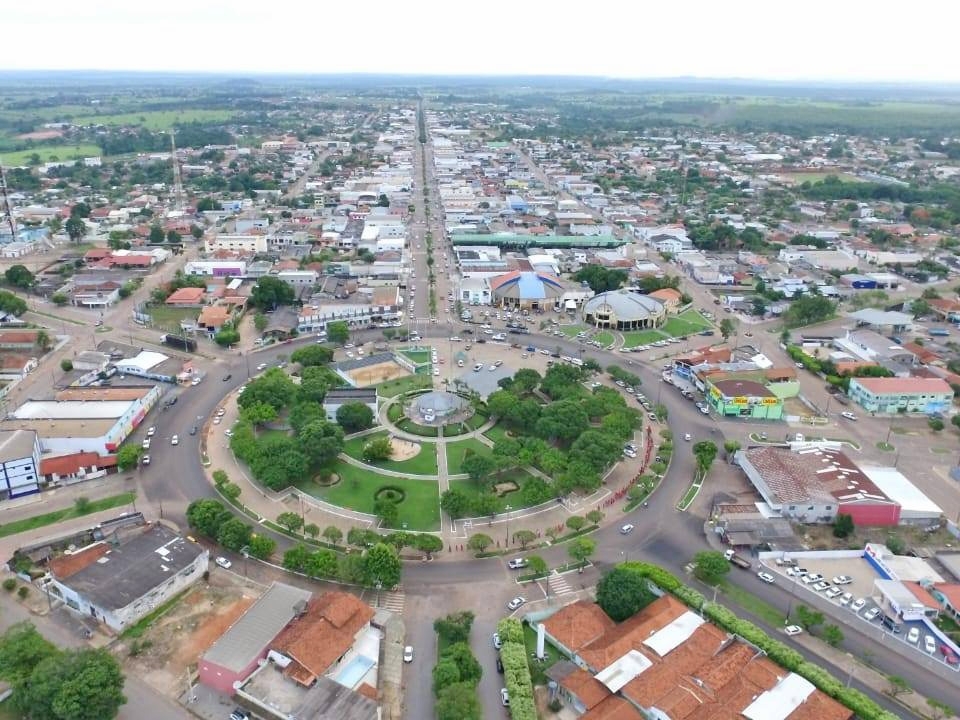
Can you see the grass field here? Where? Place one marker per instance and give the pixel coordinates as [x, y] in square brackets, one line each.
[56, 516]
[51, 153]
[572, 330]
[604, 337]
[815, 177]
[404, 384]
[420, 509]
[168, 318]
[497, 432]
[642, 337]
[686, 323]
[417, 357]
[160, 119]
[423, 463]
[457, 451]
[518, 475]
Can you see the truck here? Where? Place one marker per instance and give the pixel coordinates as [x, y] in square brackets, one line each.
[938, 332]
[181, 343]
[737, 560]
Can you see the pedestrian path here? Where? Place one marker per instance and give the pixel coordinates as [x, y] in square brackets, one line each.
[392, 601]
[558, 585]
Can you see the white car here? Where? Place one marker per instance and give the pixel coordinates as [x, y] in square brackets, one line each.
[845, 599]
[145, 444]
[175, 440]
[518, 563]
[516, 602]
[504, 697]
[766, 577]
[842, 580]
[145, 460]
[261, 367]
[496, 641]
[858, 604]
[929, 644]
[223, 562]
[217, 420]
[688, 437]
[913, 637]
[408, 654]
[871, 613]
[848, 415]
[833, 592]
[793, 630]
[626, 529]
[821, 586]
[151, 431]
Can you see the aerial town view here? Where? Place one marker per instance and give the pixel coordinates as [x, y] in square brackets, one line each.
[338, 384]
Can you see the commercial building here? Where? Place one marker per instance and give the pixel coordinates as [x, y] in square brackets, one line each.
[668, 662]
[216, 268]
[19, 463]
[526, 290]
[742, 398]
[894, 394]
[623, 310]
[127, 575]
[247, 244]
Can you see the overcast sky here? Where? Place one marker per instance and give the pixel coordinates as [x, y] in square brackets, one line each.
[814, 39]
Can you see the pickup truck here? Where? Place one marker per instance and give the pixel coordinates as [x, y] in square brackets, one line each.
[740, 562]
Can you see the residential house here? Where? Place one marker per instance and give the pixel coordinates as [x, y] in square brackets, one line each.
[669, 298]
[76, 467]
[186, 297]
[14, 366]
[94, 293]
[18, 339]
[213, 317]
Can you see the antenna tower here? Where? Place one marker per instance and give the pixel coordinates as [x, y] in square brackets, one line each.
[7, 208]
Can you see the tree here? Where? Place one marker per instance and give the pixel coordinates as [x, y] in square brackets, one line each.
[727, 327]
[601, 279]
[564, 420]
[427, 543]
[196, 232]
[377, 450]
[270, 292]
[260, 322]
[457, 701]
[898, 685]
[525, 380]
[66, 365]
[156, 236]
[362, 537]
[710, 565]
[536, 565]
[234, 534]
[59, 299]
[832, 635]
[127, 457]
[808, 618]
[76, 228]
[594, 517]
[455, 627]
[290, 520]
[920, 308]
[338, 332]
[704, 451]
[479, 542]
[296, 558]
[387, 511]
[354, 416]
[842, 525]
[445, 674]
[77, 684]
[478, 467]
[206, 516]
[576, 523]
[382, 564]
[935, 424]
[262, 547]
[227, 336]
[455, 503]
[22, 648]
[581, 549]
[173, 237]
[19, 276]
[333, 534]
[807, 310]
[524, 538]
[463, 657]
[622, 593]
[321, 440]
[312, 356]
[259, 414]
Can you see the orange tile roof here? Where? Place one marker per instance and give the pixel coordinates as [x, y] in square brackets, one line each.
[631, 633]
[951, 591]
[66, 565]
[587, 688]
[18, 337]
[70, 464]
[666, 295]
[578, 624]
[613, 708]
[213, 316]
[186, 295]
[921, 594]
[368, 691]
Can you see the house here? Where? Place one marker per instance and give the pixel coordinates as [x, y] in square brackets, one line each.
[18, 339]
[670, 298]
[14, 366]
[76, 467]
[119, 580]
[214, 317]
[186, 297]
[94, 293]
[338, 397]
[895, 394]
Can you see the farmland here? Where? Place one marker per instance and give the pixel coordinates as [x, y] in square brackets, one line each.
[51, 153]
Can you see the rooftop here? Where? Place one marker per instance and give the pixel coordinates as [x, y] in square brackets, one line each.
[904, 386]
[742, 388]
[71, 410]
[16, 444]
[350, 395]
[626, 304]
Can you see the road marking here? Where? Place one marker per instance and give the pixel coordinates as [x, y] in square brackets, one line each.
[393, 601]
[559, 585]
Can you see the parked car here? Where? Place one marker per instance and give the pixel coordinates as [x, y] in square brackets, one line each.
[504, 697]
[949, 656]
[815, 578]
[793, 630]
[845, 599]
[871, 614]
[145, 460]
[833, 592]
[223, 562]
[821, 586]
[151, 431]
[929, 644]
[848, 415]
[858, 604]
[499, 665]
[913, 637]
[842, 580]
[408, 654]
[516, 602]
[239, 714]
[496, 641]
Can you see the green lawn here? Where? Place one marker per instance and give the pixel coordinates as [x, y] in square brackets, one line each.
[686, 323]
[7, 712]
[404, 384]
[641, 337]
[538, 669]
[420, 508]
[751, 603]
[160, 119]
[573, 330]
[497, 432]
[518, 475]
[417, 357]
[168, 318]
[52, 153]
[604, 337]
[37, 521]
[457, 451]
[423, 463]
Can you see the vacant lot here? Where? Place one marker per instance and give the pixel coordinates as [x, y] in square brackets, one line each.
[52, 153]
[169, 318]
[159, 119]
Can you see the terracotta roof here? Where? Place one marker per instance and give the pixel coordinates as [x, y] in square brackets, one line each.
[631, 633]
[13, 361]
[213, 316]
[18, 337]
[666, 294]
[951, 591]
[64, 566]
[70, 464]
[368, 691]
[585, 687]
[613, 708]
[924, 355]
[322, 634]
[186, 295]
[921, 594]
[578, 624]
[904, 386]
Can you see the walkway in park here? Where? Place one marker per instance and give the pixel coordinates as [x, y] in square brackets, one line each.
[268, 505]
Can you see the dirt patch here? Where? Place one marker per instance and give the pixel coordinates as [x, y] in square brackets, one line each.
[503, 488]
[177, 640]
[376, 374]
[41, 135]
[403, 449]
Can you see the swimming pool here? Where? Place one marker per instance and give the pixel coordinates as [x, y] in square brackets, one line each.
[354, 671]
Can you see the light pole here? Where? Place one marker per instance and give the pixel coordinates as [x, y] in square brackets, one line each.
[245, 551]
[507, 510]
[379, 585]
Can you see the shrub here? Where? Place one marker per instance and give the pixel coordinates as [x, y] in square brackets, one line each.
[516, 676]
[9, 584]
[510, 630]
[23, 592]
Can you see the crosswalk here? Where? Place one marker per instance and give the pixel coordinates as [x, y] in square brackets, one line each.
[558, 585]
[393, 601]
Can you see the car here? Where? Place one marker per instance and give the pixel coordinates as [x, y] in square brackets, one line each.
[478, 367]
[814, 578]
[705, 410]
[261, 367]
[929, 644]
[227, 377]
[217, 420]
[228, 432]
[496, 641]
[516, 602]
[408, 654]
[949, 656]
[436, 371]
[857, 605]
[504, 697]
[223, 562]
[796, 571]
[846, 598]
[871, 614]
[621, 383]
[626, 529]
[499, 665]
[652, 416]
[151, 431]
[196, 381]
[833, 592]
[842, 580]
[239, 714]
[193, 430]
[913, 637]
[221, 412]
[175, 440]
[518, 563]
[848, 415]
[145, 444]
[821, 586]
[629, 453]
[145, 460]
[766, 577]
[799, 365]
[792, 630]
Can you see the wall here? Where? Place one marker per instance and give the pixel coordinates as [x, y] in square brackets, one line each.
[872, 514]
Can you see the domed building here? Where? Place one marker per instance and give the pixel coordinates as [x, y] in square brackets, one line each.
[623, 310]
[436, 405]
[526, 290]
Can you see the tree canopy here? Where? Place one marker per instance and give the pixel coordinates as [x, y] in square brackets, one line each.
[271, 292]
[601, 279]
[623, 592]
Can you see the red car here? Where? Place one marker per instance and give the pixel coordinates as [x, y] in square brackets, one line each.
[948, 655]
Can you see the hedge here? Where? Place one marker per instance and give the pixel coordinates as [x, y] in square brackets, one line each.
[516, 675]
[778, 652]
[510, 630]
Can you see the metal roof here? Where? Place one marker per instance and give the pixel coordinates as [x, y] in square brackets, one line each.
[257, 627]
[781, 700]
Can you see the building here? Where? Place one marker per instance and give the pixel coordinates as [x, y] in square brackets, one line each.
[667, 662]
[670, 298]
[742, 398]
[19, 463]
[623, 310]
[338, 397]
[813, 484]
[186, 297]
[94, 293]
[216, 268]
[894, 394]
[76, 467]
[526, 290]
[128, 574]
[236, 653]
[244, 244]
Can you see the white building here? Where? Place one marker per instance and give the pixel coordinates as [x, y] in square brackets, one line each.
[19, 463]
[298, 279]
[237, 243]
[216, 268]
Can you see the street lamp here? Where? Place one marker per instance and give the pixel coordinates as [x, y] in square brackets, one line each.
[245, 551]
[379, 585]
[507, 510]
